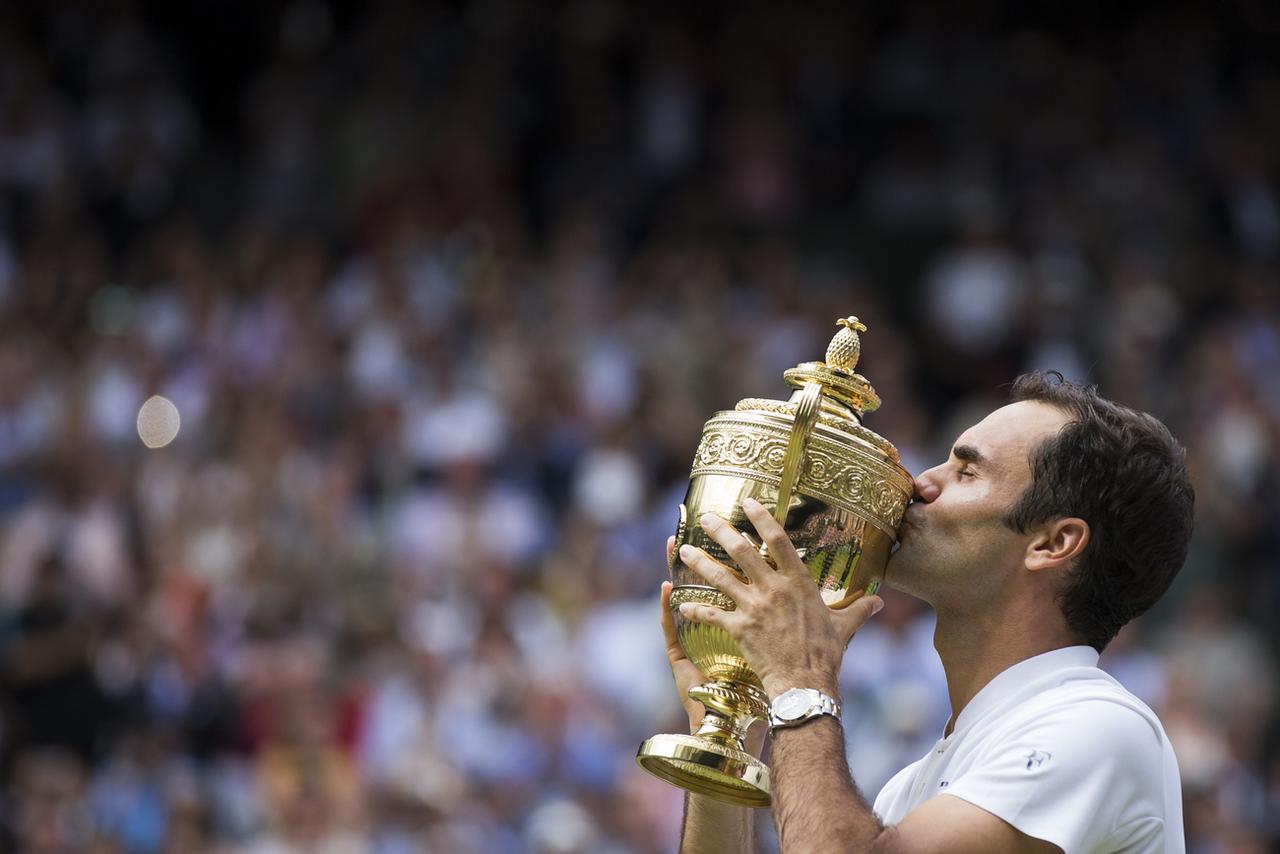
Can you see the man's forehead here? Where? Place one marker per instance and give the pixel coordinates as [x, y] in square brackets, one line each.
[1008, 434]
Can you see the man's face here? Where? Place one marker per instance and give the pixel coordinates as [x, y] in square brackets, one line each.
[953, 546]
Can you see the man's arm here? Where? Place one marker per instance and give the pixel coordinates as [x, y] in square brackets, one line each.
[714, 826]
[817, 807]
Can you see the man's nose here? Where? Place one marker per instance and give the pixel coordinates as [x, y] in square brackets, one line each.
[926, 487]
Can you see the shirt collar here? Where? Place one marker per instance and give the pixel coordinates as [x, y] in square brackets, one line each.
[1010, 680]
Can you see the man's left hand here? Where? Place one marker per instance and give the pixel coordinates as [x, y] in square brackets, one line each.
[787, 633]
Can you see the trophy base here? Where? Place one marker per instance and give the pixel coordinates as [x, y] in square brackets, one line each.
[707, 767]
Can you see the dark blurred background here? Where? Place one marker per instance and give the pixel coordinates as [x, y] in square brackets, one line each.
[443, 294]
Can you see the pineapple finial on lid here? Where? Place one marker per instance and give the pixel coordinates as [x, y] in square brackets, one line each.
[844, 349]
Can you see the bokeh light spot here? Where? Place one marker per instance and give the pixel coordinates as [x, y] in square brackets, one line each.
[158, 422]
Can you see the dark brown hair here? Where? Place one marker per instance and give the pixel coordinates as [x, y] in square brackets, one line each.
[1121, 471]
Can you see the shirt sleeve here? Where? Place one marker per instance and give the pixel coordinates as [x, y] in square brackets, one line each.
[891, 803]
[1083, 777]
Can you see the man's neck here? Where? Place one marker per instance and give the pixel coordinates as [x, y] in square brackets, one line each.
[975, 648]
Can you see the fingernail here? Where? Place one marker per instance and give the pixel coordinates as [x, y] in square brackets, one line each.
[876, 606]
[686, 550]
[750, 503]
[707, 519]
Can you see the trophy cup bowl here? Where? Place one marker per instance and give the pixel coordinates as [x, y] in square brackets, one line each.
[836, 488]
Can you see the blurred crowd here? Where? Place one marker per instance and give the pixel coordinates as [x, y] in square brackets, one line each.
[443, 295]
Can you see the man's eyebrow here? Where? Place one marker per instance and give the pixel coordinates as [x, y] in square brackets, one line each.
[968, 454]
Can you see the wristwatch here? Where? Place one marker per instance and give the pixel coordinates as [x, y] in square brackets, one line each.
[798, 705]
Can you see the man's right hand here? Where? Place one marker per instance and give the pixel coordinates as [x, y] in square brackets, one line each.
[683, 670]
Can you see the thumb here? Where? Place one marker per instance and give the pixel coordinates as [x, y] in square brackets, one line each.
[848, 620]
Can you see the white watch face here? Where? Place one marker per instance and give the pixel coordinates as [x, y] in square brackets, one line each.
[791, 705]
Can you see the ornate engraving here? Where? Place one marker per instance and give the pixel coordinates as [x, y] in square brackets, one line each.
[701, 596]
[724, 448]
[834, 473]
[845, 425]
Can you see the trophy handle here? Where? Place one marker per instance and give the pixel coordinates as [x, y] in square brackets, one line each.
[806, 416]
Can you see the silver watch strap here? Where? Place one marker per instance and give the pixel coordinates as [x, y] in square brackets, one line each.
[824, 705]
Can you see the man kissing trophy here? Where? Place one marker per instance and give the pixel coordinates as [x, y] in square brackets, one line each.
[1053, 522]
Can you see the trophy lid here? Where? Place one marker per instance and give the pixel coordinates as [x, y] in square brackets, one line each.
[846, 394]
[836, 374]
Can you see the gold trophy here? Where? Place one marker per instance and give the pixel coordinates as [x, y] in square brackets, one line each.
[838, 490]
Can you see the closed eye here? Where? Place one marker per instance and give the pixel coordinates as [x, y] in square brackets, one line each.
[966, 456]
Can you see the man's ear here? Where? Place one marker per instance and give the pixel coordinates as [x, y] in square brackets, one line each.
[1057, 543]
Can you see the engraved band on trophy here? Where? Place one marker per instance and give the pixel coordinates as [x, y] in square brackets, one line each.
[838, 490]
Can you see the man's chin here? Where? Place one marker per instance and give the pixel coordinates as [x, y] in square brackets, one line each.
[912, 567]
[898, 572]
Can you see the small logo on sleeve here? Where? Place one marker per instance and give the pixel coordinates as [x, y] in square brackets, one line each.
[1036, 758]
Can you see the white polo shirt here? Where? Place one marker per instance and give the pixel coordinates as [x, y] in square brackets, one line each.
[1061, 751]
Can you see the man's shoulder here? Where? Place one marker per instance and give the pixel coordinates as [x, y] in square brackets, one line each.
[1090, 705]
[1057, 733]
[1080, 763]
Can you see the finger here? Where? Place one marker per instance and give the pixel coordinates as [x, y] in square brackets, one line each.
[849, 619]
[713, 572]
[671, 547]
[774, 536]
[675, 652]
[739, 548]
[709, 615]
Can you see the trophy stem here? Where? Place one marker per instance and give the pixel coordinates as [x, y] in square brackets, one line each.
[731, 709]
[714, 761]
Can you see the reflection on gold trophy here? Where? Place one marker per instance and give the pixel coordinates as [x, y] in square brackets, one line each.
[838, 490]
